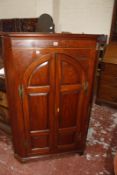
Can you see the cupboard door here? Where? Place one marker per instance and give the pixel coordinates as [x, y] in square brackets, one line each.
[70, 78]
[38, 102]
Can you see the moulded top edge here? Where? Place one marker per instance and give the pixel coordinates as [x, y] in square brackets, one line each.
[37, 34]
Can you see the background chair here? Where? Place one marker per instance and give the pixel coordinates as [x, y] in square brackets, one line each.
[45, 24]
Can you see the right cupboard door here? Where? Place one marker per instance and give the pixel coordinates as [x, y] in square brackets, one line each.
[70, 96]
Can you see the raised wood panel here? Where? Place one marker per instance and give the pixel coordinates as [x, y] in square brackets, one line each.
[108, 80]
[38, 111]
[109, 69]
[108, 93]
[69, 74]
[68, 109]
[66, 138]
[39, 142]
[40, 75]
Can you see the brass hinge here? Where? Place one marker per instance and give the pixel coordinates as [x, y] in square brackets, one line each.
[20, 90]
[85, 86]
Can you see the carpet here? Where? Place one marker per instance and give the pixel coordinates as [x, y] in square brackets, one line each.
[97, 159]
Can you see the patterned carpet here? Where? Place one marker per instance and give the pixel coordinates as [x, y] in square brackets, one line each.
[97, 159]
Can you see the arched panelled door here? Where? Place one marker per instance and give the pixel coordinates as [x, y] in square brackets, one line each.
[52, 103]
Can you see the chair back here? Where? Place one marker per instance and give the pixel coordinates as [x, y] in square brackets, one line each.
[45, 24]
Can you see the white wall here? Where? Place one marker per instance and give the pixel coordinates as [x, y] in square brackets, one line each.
[44, 6]
[76, 16]
[86, 16]
[56, 14]
[17, 8]
[25, 8]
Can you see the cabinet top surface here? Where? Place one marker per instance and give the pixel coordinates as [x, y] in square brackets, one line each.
[50, 35]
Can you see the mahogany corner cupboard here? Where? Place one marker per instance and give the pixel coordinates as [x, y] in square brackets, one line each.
[49, 80]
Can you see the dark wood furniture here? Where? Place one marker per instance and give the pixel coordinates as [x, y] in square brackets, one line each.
[51, 91]
[4, 116]
[107, 81]
[18, 25]
[44, 23]
[113, 34]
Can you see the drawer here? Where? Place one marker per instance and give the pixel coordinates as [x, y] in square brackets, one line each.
[4, 116]
[109, 69]
[54, 43]
[108, 93]
[3, 99]
[108, 81]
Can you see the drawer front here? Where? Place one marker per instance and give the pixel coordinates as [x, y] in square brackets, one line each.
[110, 70]
[108, 81]
[3, 99]
[55, 43]
[108, 93]
[4, 115]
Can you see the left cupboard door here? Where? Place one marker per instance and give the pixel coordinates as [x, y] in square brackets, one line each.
[38, 105]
